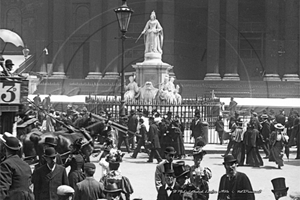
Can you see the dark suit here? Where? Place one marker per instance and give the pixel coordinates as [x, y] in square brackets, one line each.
[15, 176]
[163, 195]
[89, 189]
[143, 133]
[132, 126]
[197, 129]
[153, 137]
[46, 182]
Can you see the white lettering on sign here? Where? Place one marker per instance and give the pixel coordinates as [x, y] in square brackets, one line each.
[10, 92]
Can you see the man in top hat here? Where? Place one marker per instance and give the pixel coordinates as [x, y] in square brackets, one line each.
[132, 126]
[48, 177]
[234, 184]
[160, 169]
[15, 174]
[89, 188]
[280, 117]
[181, 172]
[65, 192]
[170, 190]
[280, 190]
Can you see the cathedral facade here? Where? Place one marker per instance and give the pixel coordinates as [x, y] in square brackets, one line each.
[210, 40]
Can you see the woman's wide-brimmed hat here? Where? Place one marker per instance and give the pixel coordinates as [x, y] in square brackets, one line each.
[279, 126]
[198, 150]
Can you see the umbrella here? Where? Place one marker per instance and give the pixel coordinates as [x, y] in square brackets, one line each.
[11, 37]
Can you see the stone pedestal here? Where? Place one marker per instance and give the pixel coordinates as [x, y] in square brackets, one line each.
[290, 77]
[231, 77]
[94, 75]
[272, 77]
[152, 69]
[212, 77]
[111, 75]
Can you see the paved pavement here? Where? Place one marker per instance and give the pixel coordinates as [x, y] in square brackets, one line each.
[141, 174]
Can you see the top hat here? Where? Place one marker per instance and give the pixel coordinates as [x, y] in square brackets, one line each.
[168, 169]
[111, 187]
[279, 184]
[229, 159]
[12, 143]
[50, 141]
[9, 62]
[65, 190]
[179, 169]
[279, 126]
[170, 150]
[50, 152]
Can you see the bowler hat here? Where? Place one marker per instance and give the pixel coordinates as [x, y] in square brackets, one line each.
[50, 152]
[279, 184]
[65, 190]
[9, 62]
[279, 126]
[169, 169]
[111, 187]
[180, 169]
[229, 159]
[12, 143]
[50, 141]
[170, 150]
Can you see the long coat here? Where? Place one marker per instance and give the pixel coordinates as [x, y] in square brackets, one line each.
[46, 182]
[153, 136]
[196, 127]
[15, 179]
[239, 188]
[89, 189]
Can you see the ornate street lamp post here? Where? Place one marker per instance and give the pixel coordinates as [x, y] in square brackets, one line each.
[123, 15]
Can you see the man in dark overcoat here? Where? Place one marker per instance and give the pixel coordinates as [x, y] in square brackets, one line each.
[48, 177]
[265, 131]
[142, 140]
[132, 126]
[196, 127]
[153, 137]
[15, 174]
[89, 188]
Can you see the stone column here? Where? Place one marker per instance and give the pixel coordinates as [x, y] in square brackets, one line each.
[58, 39]
[271, 49]
[113, 52]
[291, 40]
[213, 40]
[232, 35]
[95, 45]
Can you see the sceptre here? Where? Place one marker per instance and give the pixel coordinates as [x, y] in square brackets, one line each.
[139, 37]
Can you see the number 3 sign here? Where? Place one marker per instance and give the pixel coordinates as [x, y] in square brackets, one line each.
[10, 92]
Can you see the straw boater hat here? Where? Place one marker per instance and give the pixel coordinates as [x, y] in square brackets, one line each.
[65, 190]
[279, 126]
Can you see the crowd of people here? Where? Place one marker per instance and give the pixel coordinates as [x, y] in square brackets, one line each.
[161, 137]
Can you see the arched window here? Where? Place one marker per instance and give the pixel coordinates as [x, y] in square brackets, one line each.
[14, 20]
[81, 19]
